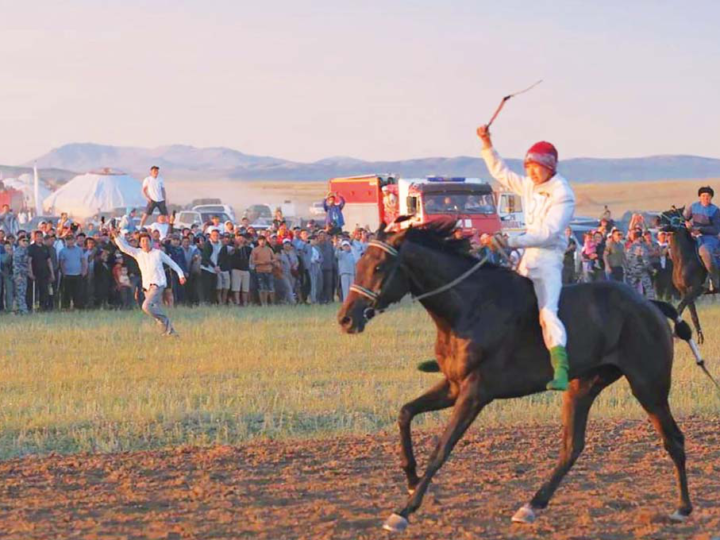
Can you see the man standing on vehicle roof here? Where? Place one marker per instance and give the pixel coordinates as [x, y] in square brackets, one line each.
[153, 189]
[549, 204]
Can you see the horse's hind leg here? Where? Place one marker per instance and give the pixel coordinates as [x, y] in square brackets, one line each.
[696, 322]
[656, 405]
[437, 398]
[577, 401]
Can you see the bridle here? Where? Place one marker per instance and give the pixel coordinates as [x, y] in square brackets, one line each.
[374, 296]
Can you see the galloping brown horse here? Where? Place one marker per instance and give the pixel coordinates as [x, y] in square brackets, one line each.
[489, 346]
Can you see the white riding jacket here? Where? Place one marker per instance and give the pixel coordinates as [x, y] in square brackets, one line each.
[548, 207]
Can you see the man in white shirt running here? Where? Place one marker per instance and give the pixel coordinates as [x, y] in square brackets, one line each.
[151, 262]
[153, 189]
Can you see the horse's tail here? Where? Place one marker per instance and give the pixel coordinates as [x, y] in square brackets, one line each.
[682, 329]
[429, 366]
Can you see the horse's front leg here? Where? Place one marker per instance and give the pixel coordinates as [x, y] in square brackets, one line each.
[470, 401]
[439, 397]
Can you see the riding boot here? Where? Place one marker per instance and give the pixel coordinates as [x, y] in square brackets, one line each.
[560, 364]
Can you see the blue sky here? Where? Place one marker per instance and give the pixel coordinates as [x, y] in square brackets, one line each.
[370, 79]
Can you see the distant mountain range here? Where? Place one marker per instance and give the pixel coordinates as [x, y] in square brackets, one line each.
[188, 161]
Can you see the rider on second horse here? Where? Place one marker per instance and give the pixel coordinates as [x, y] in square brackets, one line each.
[549, 204]
[703, 219]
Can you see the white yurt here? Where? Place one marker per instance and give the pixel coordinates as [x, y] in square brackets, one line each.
[25, 184]
[96, 191]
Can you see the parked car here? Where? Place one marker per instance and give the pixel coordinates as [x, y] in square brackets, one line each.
[317, 209]
[202, 202]
[216, 209]
[187, 218]
[256, 211]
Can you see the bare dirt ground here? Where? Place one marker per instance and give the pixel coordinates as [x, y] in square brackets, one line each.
[622, 487]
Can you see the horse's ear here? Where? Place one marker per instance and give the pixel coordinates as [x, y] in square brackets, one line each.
[396, 224]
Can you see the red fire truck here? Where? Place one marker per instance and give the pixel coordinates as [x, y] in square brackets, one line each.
[12, 197]
[373, 200]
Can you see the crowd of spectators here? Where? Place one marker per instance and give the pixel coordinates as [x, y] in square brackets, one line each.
[638, 257]
[64, 265]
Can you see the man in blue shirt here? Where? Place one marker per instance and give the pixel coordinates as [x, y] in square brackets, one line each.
[73, 266]
[703, 220]
[333, 211]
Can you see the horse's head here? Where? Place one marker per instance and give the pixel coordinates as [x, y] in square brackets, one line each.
[379, 281]
[672, 220]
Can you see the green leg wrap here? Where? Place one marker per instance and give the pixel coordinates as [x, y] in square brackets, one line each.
[560, 364]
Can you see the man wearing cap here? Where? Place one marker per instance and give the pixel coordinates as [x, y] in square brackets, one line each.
[154, 281]
[549, 204]
[346, 267]
[703, 219]
[153, 189]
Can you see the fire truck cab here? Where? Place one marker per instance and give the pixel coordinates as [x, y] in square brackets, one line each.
[470, 200]
[373, 200]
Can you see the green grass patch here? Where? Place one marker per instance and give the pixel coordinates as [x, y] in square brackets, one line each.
[107, 382]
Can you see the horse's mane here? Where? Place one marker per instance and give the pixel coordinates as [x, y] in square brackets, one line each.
[438, 236]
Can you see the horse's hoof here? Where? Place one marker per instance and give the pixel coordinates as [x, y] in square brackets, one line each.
[395, 523]
[526, 515]
[678, 517]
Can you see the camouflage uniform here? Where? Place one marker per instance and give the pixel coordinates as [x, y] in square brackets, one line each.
[21, 269]
[639, 267]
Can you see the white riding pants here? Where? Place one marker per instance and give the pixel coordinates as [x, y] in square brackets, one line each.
[547, 281]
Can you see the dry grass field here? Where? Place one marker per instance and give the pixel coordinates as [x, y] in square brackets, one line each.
[620, 197]
[105, 382]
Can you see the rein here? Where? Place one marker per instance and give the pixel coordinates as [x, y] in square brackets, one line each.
[390, 250]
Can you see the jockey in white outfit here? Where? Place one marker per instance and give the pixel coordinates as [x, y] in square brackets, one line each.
[549, 204]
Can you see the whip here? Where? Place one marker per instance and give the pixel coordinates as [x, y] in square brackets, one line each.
[506, 98]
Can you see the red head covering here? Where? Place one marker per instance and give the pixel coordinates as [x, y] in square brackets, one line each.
[544, 154]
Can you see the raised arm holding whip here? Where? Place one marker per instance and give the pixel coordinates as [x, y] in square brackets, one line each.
[549, 204]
